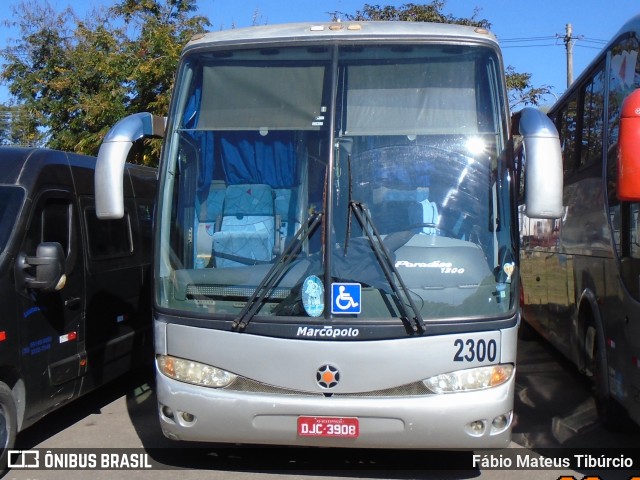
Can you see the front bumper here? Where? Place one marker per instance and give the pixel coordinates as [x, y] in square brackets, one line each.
[194, 413]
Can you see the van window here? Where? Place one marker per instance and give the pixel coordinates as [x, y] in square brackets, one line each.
[108, 238]
[52, 222]
[11, 199]
[56, 218]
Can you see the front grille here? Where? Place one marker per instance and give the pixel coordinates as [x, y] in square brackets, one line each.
[251, 386]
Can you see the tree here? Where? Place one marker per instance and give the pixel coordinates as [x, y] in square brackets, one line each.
[29, 66]
[519, 87]
[411, 12]
[16, 127]
[78, 77]
[521, 92]
[5, 124]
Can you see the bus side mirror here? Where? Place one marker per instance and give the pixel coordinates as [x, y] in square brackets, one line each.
[629, 149]
[543, 175]
[109, 174]
[48, 265]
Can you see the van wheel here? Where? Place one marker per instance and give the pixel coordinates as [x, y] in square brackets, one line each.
[8, 424]
[611, 414]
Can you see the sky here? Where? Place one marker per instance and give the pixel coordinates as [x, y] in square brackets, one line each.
[530, 32]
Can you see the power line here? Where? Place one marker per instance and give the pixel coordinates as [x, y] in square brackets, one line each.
[568, 39]
[593, 40]
[530, 46]
[557, 39]
[526, 39]
[589, 47]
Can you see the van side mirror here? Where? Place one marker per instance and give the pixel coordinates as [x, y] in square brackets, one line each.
[544, 173]
[628, 188]
[48, 266]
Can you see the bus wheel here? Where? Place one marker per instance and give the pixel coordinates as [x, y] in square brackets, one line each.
[8, 424]
[610, 413]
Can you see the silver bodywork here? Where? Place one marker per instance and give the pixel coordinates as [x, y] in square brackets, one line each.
[322, 31]
[112, 156]
[269, 417]
[543, 192]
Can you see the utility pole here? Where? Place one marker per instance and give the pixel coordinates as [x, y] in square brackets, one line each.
[568, 41]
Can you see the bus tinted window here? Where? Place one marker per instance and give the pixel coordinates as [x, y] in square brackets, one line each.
[567, 122]
[593, 122]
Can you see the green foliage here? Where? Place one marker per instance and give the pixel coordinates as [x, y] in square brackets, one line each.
[77, 78]
[521, 92]
[16, 127]
[411, 12]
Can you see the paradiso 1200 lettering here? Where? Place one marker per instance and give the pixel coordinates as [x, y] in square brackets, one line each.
[445, 267]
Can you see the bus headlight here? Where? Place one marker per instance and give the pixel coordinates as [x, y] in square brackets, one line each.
[193, 372]
[471, 379]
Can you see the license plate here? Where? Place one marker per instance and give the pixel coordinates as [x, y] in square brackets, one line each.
[336, 427]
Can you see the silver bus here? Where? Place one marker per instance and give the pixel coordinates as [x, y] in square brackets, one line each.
[580, 274]
[336, 243]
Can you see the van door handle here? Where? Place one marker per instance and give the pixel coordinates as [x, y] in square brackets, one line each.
[72, 302]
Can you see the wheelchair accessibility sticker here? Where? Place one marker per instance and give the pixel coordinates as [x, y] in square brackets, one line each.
[345, 297]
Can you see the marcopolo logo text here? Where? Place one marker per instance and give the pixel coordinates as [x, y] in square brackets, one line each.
[327, 332]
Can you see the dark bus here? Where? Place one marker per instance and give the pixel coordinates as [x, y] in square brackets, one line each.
[581, 273]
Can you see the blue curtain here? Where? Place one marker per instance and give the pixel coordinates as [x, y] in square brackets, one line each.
[246, 156]
[249, 157]
[204, 141]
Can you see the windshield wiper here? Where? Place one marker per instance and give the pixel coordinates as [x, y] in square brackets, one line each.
[273, 275]
[415, 324]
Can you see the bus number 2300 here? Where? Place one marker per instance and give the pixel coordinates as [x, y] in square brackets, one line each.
[475, 350]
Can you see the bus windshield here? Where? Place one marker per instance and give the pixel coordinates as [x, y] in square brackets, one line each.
[338, 181]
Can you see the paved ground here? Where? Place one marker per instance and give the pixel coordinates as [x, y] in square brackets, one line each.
[553, 409]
